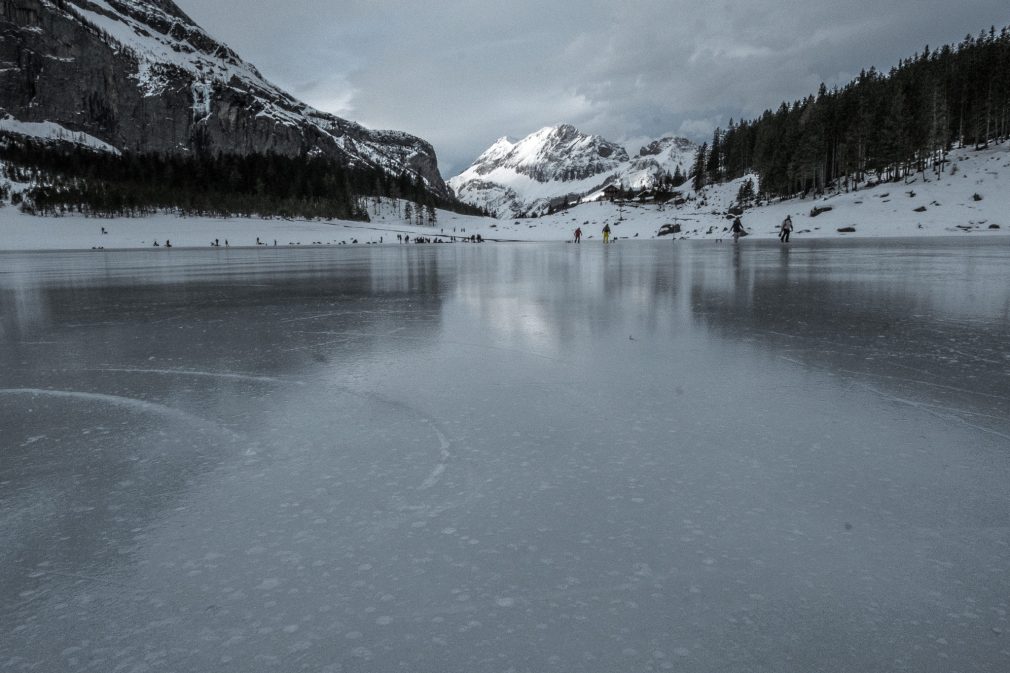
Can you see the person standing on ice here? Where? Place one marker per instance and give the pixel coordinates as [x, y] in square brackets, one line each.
[787, 226]
[606, 233]
[737, 229]
[578, 234]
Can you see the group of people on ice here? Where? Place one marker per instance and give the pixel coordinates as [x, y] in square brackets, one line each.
[405, 238]
[785, 229]
[736, 230]
[606, 234]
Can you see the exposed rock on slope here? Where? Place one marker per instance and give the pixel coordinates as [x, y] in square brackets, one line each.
[141, 76]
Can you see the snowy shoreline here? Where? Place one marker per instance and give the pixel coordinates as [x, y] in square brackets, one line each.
[971, 199]
[938, 236]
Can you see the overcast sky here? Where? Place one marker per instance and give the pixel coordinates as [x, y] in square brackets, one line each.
[462, 73]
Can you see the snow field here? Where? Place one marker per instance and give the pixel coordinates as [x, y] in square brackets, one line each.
[919, 206]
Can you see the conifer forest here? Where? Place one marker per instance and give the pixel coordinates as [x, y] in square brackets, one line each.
[879, 126]
[76, 179]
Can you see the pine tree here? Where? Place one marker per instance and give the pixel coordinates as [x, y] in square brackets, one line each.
[746, 192]
[699, 167]
[678, 178]
[713, 165]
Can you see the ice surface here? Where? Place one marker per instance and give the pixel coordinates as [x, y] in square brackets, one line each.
[694, 457]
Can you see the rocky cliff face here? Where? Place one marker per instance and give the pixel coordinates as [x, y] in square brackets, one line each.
[141, 76]
[526, 177]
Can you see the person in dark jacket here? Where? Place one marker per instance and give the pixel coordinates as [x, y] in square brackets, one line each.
[737, 229]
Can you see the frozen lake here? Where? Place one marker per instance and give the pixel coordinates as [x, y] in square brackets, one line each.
[534, 458]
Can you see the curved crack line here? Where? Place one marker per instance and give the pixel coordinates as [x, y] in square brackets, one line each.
[124, 402]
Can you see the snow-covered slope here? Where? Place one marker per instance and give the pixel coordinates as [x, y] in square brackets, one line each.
[665, 156]
[920, 206]
[560, 163]
[140, 75]
[970, 198]
[49, 131]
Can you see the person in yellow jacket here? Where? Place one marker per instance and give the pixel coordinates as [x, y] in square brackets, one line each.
[606, 233]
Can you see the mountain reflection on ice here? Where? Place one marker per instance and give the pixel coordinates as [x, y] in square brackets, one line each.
[652, 456]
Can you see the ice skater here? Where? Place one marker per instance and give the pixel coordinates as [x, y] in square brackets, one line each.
[606, 233]
[578, 234]
[737, 229]
[785, 229]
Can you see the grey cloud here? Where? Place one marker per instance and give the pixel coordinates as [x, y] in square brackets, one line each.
[462, 74]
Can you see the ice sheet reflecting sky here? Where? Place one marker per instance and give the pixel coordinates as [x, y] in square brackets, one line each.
[643, 457]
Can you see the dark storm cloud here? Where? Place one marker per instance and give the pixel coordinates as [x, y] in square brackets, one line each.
[462, 74]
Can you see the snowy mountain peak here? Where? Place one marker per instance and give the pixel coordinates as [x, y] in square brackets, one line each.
[553, 153]
[494, 154]
[564, 153]
[561, 163]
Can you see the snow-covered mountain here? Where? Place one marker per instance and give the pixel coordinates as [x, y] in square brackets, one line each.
[659, 158]
[140, 75]
[558, 163]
